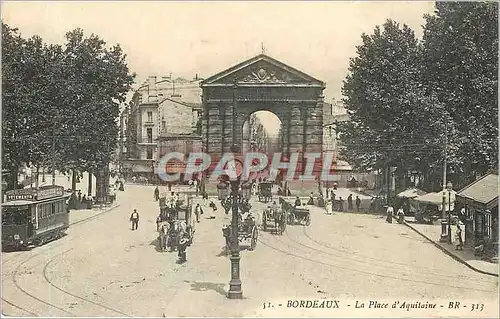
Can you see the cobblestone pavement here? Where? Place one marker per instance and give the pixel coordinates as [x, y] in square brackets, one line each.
[103, 268]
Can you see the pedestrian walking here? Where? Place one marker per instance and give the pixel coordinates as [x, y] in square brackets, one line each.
[329, 207]
[90, 201]
[390, 212]
[358, 203]
[157, 194]
[198, 211]
[134, 218]
[213, 207]
[311, 199]
[458, 238]
[401, 215]
[196, 186]
[341, 204]
[349, 202]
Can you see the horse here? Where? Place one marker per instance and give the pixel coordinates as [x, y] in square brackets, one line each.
[279, 218]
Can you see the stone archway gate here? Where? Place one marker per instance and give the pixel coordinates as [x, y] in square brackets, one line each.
[262, 83]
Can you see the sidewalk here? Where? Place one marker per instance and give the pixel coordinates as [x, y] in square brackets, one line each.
[433, 232]
[80, 215]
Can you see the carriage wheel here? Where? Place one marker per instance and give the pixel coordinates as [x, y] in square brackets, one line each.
[308, 220]
[291, 218]
[255, 235]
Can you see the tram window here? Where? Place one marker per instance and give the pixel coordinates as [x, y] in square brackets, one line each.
[16, 216]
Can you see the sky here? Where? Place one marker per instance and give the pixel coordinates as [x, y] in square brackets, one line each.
[204, 38]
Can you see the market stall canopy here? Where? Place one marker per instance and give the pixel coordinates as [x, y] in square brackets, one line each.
[437, 199]
[411, 193]
[484, 191]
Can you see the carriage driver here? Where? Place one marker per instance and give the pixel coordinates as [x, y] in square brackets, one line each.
[274, 207]
[182, 248]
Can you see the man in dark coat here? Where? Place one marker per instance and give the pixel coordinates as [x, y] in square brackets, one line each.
[349, 201]
[134, 218]
[358, 203]
[182, 248]
[297, 202]
[157, 194]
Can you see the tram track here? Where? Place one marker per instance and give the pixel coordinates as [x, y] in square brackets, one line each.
[51, 283]
[389, 263]
[291, 254]
[15, 272]
[16, 284]
[379, 262]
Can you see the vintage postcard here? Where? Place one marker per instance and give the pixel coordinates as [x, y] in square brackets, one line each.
[250, 159]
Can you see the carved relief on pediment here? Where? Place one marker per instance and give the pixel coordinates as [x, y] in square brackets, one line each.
[264, 76]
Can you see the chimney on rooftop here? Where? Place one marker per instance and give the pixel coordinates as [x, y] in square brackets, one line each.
[152, 94]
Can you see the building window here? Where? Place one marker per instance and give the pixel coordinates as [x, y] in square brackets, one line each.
[149, 153]
[150, 116]
[150, 135]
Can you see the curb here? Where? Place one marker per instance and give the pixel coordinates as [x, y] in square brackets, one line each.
[460, 260]
[95, 216]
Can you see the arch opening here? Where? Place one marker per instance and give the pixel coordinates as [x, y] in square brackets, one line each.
[262, 132]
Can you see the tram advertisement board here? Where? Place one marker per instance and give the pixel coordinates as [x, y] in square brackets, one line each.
[20, 194]
[49, 192]
[43, 192]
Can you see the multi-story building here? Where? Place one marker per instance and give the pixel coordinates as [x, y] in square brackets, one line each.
[255, 136]
[160, 115]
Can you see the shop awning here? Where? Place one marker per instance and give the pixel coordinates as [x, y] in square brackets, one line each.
[437, 199]
[411, 193]
[484, 191]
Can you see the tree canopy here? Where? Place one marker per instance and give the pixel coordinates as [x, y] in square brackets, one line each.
[61, 103]
[404, 95]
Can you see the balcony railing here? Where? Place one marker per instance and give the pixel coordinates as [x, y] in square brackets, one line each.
[146, 141]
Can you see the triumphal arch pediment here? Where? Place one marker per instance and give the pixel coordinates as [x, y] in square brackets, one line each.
[262, 70]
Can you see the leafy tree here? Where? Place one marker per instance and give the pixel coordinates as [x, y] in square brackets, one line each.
[97, 81]
[61, 105]
[14, 148]
[29, 101]
[393, 122]
[460, 67]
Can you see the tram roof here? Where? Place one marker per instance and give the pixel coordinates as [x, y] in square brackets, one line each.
[31, 202]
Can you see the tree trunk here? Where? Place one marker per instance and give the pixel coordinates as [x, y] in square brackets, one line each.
[90, 183]
[13, 179]
[37, 176]
[73, 180]
[388, 182]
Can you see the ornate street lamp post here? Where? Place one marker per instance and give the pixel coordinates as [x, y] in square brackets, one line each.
[449, 187]
[237, 202]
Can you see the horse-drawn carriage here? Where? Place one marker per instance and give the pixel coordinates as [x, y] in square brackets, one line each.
[247, 230]
[277, 217]
[296, 214]
[174, 222]
[265, 191]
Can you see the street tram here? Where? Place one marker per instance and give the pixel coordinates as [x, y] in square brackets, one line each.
[34, 216]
